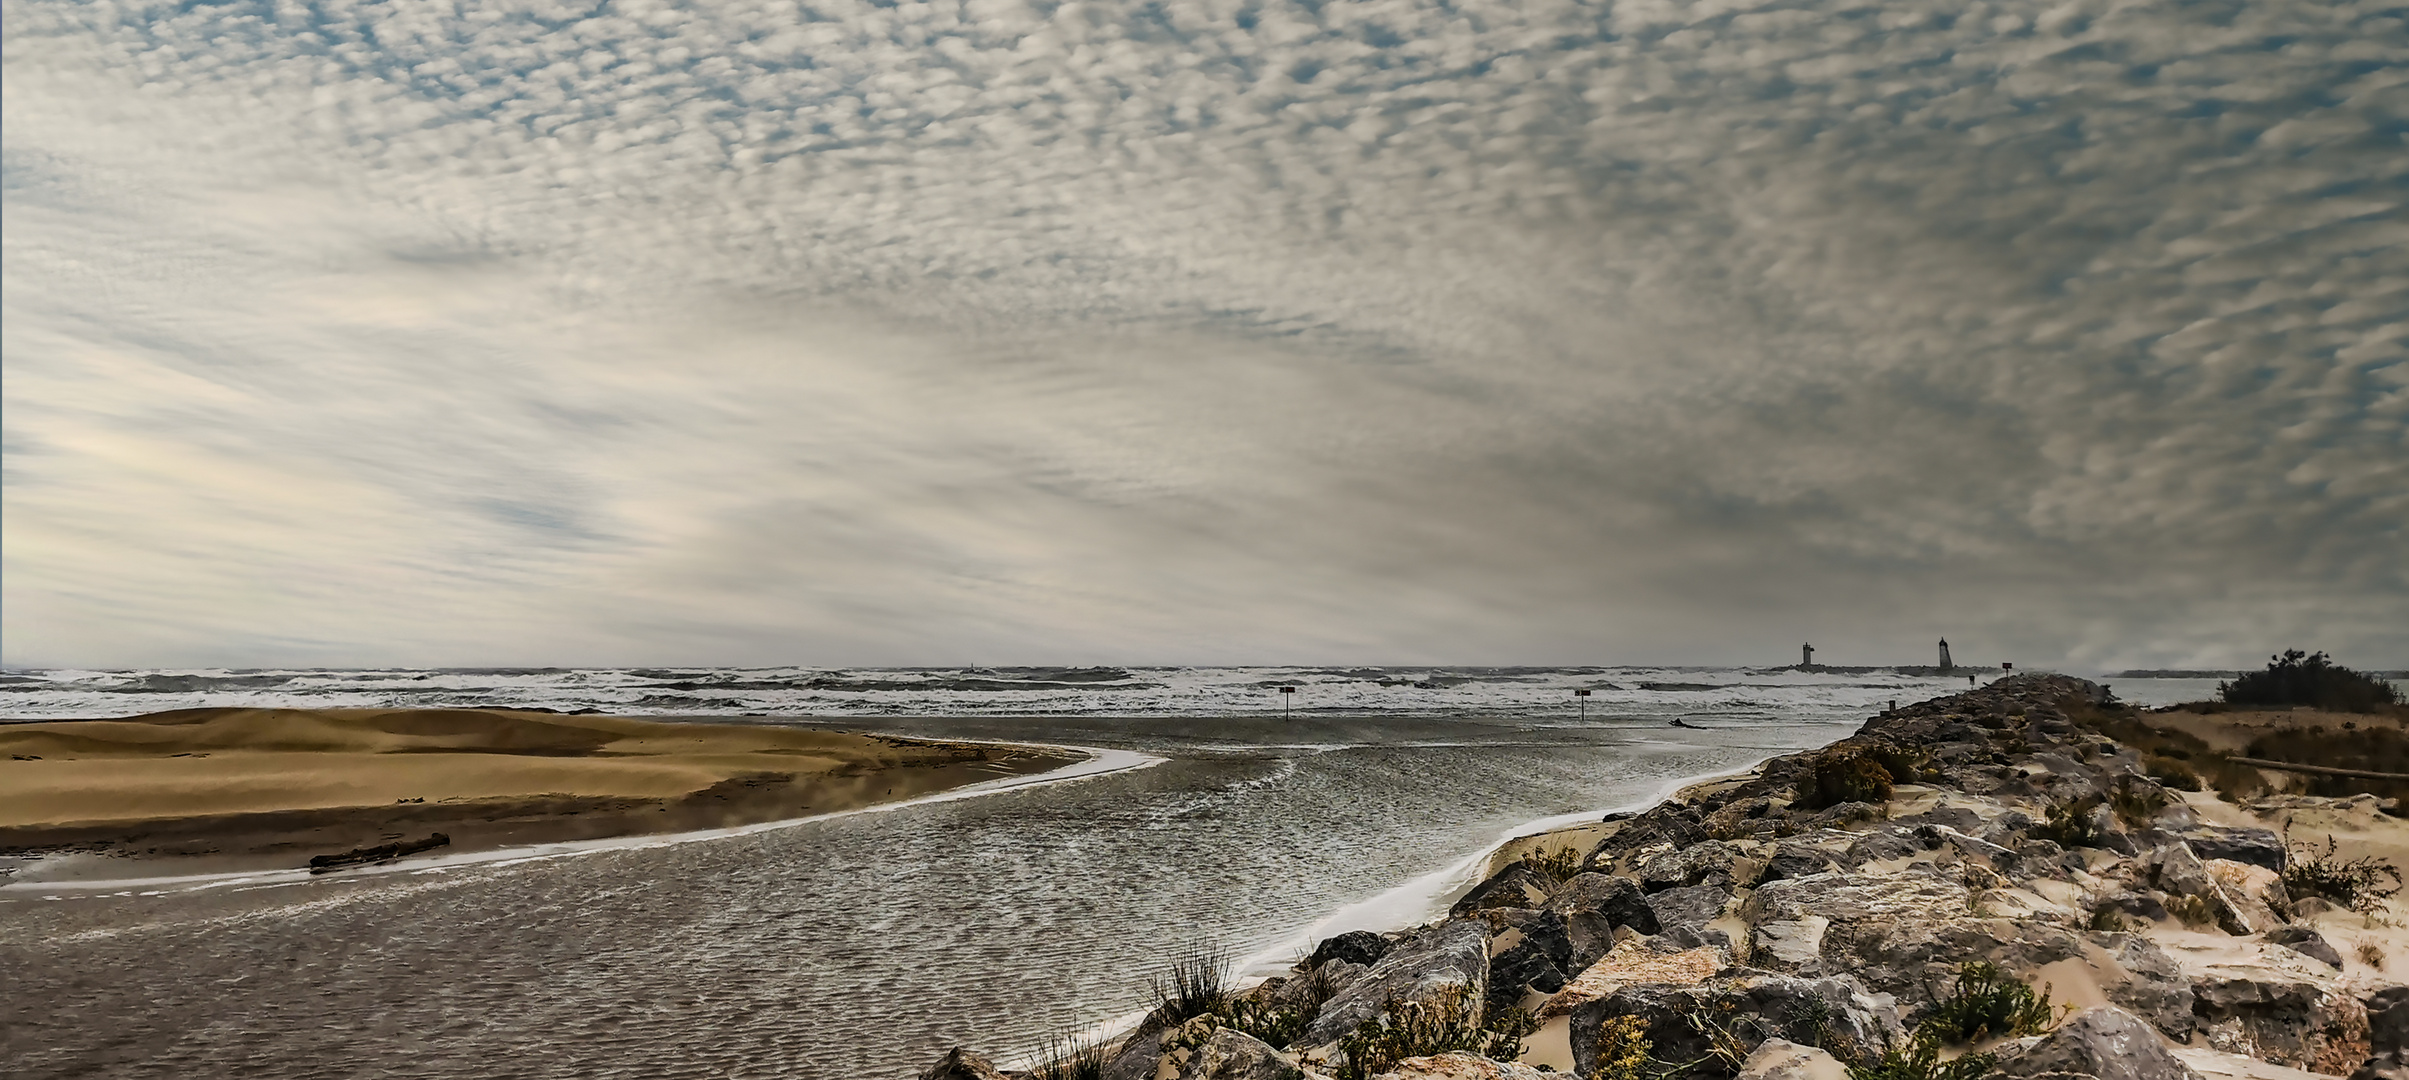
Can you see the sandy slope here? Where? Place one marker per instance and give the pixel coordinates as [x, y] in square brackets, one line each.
[278, 784]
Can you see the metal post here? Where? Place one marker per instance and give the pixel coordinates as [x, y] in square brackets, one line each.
[1583, 695]
[1286, 696]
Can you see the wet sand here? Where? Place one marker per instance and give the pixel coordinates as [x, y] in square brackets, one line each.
[206, 790]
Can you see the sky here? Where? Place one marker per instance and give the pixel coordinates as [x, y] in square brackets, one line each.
[838, 332]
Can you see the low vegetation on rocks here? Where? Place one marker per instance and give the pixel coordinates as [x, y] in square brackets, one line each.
[2357, 884]
[1451, 1019]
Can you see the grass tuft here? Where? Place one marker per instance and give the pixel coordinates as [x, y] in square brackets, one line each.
[1449, 1019]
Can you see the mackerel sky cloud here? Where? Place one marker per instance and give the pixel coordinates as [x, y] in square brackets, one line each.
[847, 333]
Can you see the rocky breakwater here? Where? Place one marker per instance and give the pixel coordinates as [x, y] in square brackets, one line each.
[1978, 885]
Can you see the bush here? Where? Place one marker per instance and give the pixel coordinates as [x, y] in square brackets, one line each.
[1921, 1060]
[2356, 884]
[1449, 1020]
[2068, 824]
[1844, 774]
[2137, 803]
[1559, 865]
[2174, 774]
[2298, 678]
[1624, 1050]
[1986, 1004]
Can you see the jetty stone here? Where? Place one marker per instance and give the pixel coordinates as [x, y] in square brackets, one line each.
[1516, 886]
[961, 1064]
[1462, 1066]
[1418, 965]
[2387, 1036]
[1620, 899]
[1355, 947]
[1754, 1006]
[1235, 1055]
[2107, 1043]
[1781, 1059]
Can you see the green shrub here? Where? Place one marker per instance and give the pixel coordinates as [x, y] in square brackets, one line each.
[2298, 678]
[2357, 884]
[1558, 865]
[2136, 803]
[2068, 824]
[1449, 1019]
[1921, 1060]
[1198, 984]
[1844, 774]
[1985, 1004]
[1624, 1050]
[2174, 774]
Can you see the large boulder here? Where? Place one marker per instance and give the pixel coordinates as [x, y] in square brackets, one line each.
[1461, 1066]
[961, 1064]
[1781, 1059]
[2387, 1036]
[1534, 952]
[2258, 847]
[1750, 1007]
[1794, 861]
[2105, 1043]
[2306, 942]
[1418, 965]
[1698, 864]
[1233, 1055]
[1685, 913]
[1516, 886]
[1355, 947]
[1619, 899]
[2283, 1008]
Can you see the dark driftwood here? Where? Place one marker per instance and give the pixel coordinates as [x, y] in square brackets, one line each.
[2320, 770]
[319, 864]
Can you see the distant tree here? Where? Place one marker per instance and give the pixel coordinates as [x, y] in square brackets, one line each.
[2298, 678]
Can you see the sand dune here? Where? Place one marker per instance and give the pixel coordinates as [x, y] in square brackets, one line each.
[272, 784]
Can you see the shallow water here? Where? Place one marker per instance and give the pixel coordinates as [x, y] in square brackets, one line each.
[855, 947]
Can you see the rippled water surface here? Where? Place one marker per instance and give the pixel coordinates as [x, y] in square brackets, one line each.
[864, 946]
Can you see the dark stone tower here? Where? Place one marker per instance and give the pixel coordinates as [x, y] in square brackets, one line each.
[1806, 655]
[1946, 666]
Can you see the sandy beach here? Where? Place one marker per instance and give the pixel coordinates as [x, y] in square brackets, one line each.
[225, 789]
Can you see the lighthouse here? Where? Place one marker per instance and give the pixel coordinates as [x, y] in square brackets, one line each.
[1946, 666]
[1806, 655]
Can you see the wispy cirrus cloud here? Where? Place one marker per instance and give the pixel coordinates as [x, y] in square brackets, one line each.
[420, 332]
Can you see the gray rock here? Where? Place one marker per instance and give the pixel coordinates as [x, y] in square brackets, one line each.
[960, 1064]
[2306, 942]
[1457, 1065]
[1781, 1059]
[1690, 910]
[2387, 1036]
[2154, 987]
[2258, 847]
[2107, 1043]
[1752, 1007]
[2296, 1019]
[1794, 861]
[1592, 937]
[1539, 961]
[1355, 947]
[1617, 898]
[1137, 1057]
[1882, 845]
[1418, 965]
[1694, 865]
[2174, 868]
[1516, 886]
[1232, 1055]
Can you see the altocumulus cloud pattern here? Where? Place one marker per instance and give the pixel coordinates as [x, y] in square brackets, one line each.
[838, 332]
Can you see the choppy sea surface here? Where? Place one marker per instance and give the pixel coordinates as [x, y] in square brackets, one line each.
[860, 947]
